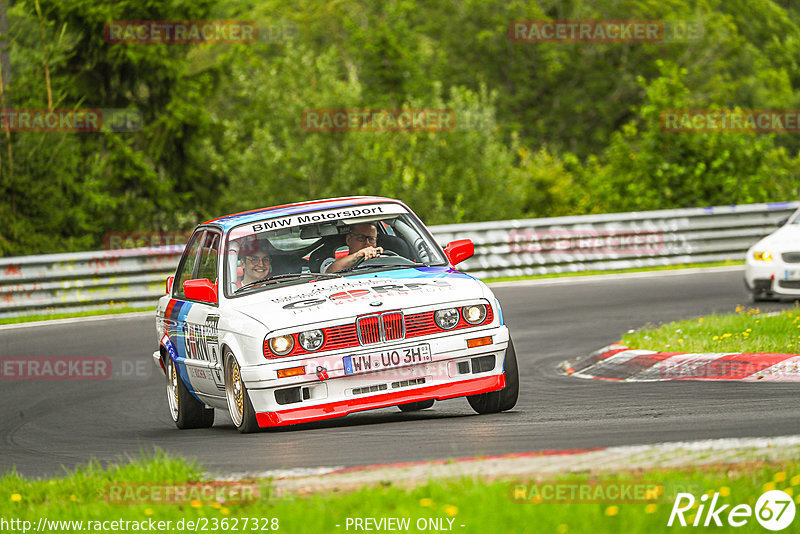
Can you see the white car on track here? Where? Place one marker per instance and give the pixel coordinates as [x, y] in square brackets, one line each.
[277, 316]
[772, 266]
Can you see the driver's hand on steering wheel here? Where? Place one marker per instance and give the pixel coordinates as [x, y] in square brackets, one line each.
[367, 253]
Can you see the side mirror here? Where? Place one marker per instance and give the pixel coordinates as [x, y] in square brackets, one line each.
[201, 289]
[782, 222]
[170, 281]
[459, 250]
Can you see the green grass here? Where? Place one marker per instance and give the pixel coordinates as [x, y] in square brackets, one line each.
[617, 271]
[89, 313]
[747, 330]
[479, 506]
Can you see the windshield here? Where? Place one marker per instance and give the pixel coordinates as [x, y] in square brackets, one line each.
[300, 248]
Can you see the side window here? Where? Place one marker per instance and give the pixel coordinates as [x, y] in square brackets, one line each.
[209, 255]
[189, 261]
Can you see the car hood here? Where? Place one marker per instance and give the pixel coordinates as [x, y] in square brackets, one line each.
[785, 238]
[302, 304]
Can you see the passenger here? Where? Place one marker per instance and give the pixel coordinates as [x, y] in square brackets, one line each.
[361, 243]
[256, 263]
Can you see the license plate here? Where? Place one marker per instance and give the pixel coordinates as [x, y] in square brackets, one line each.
[791, 274]
[387, 359]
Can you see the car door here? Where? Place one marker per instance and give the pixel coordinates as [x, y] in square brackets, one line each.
[201, 334]
[179, 307]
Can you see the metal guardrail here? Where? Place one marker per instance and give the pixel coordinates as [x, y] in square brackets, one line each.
[58, 283]
[615, 240]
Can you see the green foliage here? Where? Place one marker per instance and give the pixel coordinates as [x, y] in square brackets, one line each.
[281, 162]
[645, 167]
[63, 191]
[543, 129]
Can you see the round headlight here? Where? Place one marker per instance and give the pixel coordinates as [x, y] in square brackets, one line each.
[762, 256]
[281, 345]
[474, 314]
[446, 319]
[311, 340]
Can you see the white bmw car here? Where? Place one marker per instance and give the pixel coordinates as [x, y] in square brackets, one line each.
[315, 310]
[773, 264]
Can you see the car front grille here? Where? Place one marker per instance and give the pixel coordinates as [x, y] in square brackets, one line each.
[791, 257]
[379, 327]
[369, 329]
[370, 389]
[393, 325]
[376, 327]
[789, 284]
[339, 337]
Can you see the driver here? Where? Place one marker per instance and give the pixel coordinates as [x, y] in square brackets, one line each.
[361, 243]
[256, 263]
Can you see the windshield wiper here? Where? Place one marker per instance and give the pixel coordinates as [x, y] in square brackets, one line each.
[283, 277]
[381, 266]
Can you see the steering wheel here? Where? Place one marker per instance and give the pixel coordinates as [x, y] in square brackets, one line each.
[422, 250]
[385, 252]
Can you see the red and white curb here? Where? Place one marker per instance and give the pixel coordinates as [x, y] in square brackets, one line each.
[620, 363]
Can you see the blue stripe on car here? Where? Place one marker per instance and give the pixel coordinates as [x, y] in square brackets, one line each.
[179, 313]
[420, 272]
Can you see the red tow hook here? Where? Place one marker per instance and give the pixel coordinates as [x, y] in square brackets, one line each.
[322, 373]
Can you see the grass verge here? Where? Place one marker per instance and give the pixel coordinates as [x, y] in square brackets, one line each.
[465, 505]
[616, 271]
[747, 330]
[88, 313]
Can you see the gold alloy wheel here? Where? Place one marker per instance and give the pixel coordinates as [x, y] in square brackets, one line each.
[237, 388]
[234, 390]
[175, 383]
[172, 390]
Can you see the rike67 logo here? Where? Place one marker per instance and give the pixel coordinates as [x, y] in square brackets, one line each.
[774, 510]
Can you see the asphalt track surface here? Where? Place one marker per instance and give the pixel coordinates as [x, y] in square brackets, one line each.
[48, 425]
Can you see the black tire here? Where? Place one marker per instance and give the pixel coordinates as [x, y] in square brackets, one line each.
[241, 409]
[504, 399]
[185, 409]
[416, 406]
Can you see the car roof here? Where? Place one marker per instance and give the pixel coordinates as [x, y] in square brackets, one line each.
[229, 221]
